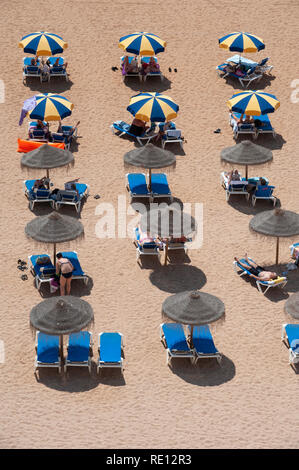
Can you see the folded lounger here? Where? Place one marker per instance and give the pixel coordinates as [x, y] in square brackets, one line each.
[174, 340]
[145, 60]
[203, 343]
[279, 282]
[47, 351]
[265, 127]
[159, 186]
[147, 248]
[122, 128]
[79, 350]
[110, 346]
[136, 185]
[265, 193]
[290, 335]
[71, 198]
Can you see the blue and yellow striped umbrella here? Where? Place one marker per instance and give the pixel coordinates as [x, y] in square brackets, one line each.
[142, 44]
[253, 103]
[241, 42]
[153, 107]
[51, 107]
[43, 44]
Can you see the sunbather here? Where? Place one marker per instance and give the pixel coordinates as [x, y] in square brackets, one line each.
[138, 127]
[65, 268]
[128, 67]
[33, 61]
[257, 272]
[233, 175]
[145, 237]
[45, 69]
[43, 183]
[151, 67]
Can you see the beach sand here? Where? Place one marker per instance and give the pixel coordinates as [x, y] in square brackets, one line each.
[249, 402]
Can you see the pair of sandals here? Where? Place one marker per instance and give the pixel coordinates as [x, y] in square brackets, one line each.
[22, 265]
[175, 70]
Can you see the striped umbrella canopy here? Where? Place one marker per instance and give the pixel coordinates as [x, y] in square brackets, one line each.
[241, 42]
[253, 103]
[43, 44]
[142, 44]
[153, 107]
[51, 107]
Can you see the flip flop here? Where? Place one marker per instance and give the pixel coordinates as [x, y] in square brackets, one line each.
[217, 131]
[169, 69]
[175, 70]
[24, 277]
[97, 196]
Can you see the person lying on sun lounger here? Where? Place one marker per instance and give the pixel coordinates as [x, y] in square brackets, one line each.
[146, 238]
[257, 272]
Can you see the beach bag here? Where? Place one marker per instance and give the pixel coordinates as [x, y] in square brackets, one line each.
[43, 260]
[54, 286]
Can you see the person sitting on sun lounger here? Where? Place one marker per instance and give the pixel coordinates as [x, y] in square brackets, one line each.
[151, 67]
[128, 67]
[257, 272]
[43, 183]
[138, 127]
[233, 175]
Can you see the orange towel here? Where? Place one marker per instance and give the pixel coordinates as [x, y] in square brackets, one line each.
[25, 146]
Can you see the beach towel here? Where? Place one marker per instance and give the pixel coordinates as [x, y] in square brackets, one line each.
[25, 146]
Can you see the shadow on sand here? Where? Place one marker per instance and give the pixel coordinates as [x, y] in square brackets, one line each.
[176, 278]
[205, 373]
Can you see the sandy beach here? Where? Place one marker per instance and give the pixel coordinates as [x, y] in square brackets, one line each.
[251, 400]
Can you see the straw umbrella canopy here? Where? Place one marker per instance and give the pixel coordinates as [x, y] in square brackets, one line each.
[47, 157]
[276, 223]
[54, 228]
[246, 153]
[193, 308]
[61, 316]
[150, 157]
[167, 222]
[292, 306]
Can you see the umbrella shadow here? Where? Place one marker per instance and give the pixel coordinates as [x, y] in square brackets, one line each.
[205, 373]
[239, 203]
[175, 278]
[178, 257]
[75, 145]
[152, 84]
[175, 147]
[44, 209]
[264, 82]
[78, 288]
[266, 140]
[57, 86]
[78, 379]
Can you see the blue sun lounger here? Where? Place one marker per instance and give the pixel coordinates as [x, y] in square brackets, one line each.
[78, 272]
[41, 268]
[47, 351]
[279, 282]
[245, 79]
[147, 248]
[173, 338]
[110, 346]
[265, 127]
[122, 128]
[71, 198]
[244, 128]
[30, 70]
[40, 195]
[136, 185]
[159, 186]
[145, 60]
[57, 70]
[290, 335]
[203, 343]
[79, 350]
[264, 193]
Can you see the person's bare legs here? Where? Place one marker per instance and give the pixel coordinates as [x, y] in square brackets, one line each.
[252, 263]
[62, 285]
[244, 265]
[68, 286]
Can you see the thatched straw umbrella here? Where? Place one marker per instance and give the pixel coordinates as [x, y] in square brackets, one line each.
[47, 157]
[61, 316]
[193, 308]
[246, 153]
[54, 228]
[276, 223]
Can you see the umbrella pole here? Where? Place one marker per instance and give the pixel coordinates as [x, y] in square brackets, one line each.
[277, 249]
[246, 172]
[61, 347]
[191, 337]
[166, 253]
[54, 254]
[150, 179]
[47, 173]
